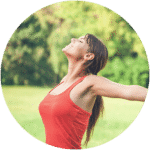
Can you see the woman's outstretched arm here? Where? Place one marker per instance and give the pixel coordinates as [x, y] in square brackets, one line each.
[104, 87]
[137, 93]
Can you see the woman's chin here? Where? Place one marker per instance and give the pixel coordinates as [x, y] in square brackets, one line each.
[65, 49]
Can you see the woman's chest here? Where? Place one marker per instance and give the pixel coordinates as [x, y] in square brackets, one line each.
[80, 94]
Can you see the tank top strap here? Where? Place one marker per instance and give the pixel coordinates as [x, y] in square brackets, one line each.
[74, 84]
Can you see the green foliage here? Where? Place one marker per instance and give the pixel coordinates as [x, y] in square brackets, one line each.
[25, 57]
[34, 53]
[128, 71]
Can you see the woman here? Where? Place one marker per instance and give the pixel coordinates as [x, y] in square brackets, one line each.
[75, 104]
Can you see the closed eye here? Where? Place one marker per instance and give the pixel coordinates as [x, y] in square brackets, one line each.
[81, 41]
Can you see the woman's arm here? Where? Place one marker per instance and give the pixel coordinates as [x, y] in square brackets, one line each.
[104, 87]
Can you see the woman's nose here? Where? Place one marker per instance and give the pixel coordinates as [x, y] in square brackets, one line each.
[73, 40]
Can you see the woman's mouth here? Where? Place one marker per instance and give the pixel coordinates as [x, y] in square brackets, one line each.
[68, 46]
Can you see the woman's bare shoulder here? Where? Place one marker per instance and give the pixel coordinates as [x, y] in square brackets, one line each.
[92, 80]
[89, 80]
[63, 79]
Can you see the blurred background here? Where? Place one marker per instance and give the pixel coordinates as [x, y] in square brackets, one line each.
[34, 56]
[33, 62]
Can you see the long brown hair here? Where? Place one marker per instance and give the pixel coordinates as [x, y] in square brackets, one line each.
[97, 47]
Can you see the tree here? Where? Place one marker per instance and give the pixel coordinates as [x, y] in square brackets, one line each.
[26, 54]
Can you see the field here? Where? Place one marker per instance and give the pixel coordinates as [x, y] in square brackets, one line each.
[23, 103]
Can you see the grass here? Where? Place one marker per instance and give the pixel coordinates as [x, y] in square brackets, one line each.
[23, 102]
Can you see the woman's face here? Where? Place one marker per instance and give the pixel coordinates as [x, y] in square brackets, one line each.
[77, 48]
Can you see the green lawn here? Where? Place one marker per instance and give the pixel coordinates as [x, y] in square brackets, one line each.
[23, 102]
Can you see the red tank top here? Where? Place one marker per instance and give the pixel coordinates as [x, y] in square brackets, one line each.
[65, 122]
